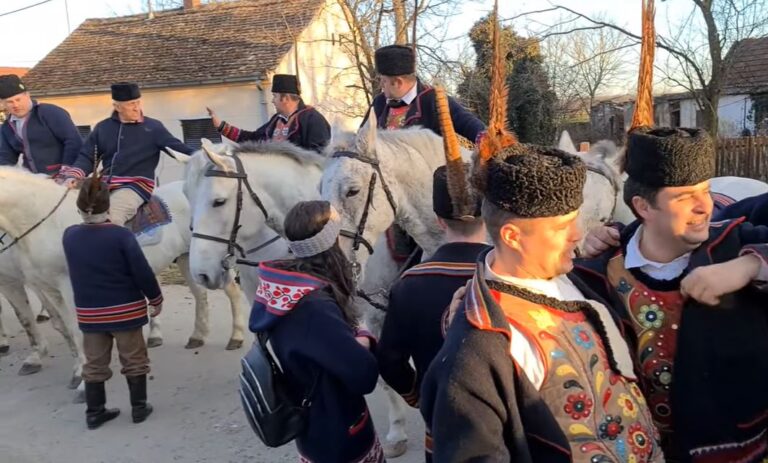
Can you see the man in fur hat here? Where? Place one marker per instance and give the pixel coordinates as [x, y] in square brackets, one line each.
[113, 286]
[293, 121]
[405, 101]
[129, 144]
[415, 324]
[687, 290]
[535, 367]
[42, 133]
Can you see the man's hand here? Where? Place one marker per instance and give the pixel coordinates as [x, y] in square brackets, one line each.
[458, 297]
[708, 284]
[70, 183]
[599, 240]
[214, 118]
[364, 341]
[154, 310]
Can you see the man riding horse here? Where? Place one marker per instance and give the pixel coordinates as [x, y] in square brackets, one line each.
[129, 145]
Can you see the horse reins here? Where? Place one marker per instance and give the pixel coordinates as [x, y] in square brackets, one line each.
[232, 245]
[34, 227]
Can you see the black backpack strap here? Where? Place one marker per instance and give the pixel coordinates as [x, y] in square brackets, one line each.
[306, 402]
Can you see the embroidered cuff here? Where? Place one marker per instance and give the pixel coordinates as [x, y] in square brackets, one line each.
[72, 172]
[156, 301]
[761, 251]
[367, 334]
[229, 131]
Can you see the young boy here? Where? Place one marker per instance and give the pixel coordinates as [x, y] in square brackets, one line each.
[113, 286]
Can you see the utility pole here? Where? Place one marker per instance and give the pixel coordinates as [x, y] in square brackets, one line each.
[66, 10]
[149, 9]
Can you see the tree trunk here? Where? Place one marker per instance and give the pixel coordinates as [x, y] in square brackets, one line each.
[713, 89]
[401, 24]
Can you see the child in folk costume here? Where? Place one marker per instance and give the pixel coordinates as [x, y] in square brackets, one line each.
[113, 285]
[305, 308]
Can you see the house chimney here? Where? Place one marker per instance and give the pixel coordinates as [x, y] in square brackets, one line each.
[583, 147]
[191, 4]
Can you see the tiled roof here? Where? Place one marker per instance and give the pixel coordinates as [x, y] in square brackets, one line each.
[13, 70]
[219, 42]
[747, 71]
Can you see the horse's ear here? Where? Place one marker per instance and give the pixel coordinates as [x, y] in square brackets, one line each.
[216, 159]
[366, 137]
[566, 143]
[179, 157]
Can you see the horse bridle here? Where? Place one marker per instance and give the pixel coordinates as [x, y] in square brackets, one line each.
[357, 236]
[33, 227]
[241, 176]
[611, 180]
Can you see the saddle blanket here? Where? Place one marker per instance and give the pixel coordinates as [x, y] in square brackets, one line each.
[148, 222]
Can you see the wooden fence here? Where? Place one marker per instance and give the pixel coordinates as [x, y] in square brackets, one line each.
[743, 157]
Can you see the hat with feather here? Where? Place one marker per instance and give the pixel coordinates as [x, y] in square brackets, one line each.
[663, 156]
[94, 193]
[526, 180]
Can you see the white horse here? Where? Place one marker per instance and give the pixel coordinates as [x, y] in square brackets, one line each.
[280, 175]
[26, 199]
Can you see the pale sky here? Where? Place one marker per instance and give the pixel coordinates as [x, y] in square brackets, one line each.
[29, 35]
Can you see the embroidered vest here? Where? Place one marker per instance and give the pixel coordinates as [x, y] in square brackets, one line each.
[396, 117]
[656, 320]
[602, 414]
[281, 129]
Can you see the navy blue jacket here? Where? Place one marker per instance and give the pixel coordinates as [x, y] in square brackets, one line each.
[110, 277]
[313, 342]
[423, 112]
[50, 141]
[129, 152]
[308, 129]
[414, 325]
[720, 370]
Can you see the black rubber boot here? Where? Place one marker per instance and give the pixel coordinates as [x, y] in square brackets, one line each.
[96, 414]
[138, 387]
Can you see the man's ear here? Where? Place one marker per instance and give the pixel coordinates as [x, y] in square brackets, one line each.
[641, 206]
[509, 234]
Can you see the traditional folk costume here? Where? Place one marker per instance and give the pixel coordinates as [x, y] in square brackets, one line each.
[535, 370]
[703, 369]
[320, 357]
[306, 127]
[46, 138]
[113, 284]
[130, 152]
[416, 320]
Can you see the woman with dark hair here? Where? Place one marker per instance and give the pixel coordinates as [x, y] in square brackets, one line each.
[305, 307]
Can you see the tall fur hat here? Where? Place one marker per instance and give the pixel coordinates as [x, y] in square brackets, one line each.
[93, 197]
[395, 60]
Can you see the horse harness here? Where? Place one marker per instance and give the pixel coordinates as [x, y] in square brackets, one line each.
[33, 227]
[241, 176]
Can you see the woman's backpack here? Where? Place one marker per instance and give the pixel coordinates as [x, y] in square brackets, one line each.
[272, 410]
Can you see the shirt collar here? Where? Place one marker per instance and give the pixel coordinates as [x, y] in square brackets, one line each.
[411, 95]
[634, 258]
[559, 288]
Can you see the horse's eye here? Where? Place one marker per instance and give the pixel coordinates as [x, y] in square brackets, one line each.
[353, 192]
[219, 202]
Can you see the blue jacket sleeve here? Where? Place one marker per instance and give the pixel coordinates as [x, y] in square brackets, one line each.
[164, 138]
[394, 349]
[467, 124]
[61, 126]
[330, 342]
[142, 273]
[8, 156]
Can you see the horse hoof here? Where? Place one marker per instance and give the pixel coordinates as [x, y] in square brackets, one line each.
[30, 369]
[234, 344]
[79, 397]
[194, 343]
[75, 382]
[4, 350]
[395, 449]
[154, 342]
[42, 318]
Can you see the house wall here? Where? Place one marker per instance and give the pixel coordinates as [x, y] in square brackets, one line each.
[735, 113]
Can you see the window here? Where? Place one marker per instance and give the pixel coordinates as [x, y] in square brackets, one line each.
[84, 130]
[674, 114]
[196, 129]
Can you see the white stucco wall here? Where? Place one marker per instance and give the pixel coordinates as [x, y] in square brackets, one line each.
[735, 114]
[688, 110]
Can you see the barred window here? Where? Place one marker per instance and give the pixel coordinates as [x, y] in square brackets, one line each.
[195, 130]
[84, 130]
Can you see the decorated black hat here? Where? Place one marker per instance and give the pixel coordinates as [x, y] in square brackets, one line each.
[443, 202]
[395, 60]
[667, 157]
[125, 91]
[11, 85]
[286, 83]
[94, 196]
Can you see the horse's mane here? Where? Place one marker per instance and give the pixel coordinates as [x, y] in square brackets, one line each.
[604, 156]
[9, 172]
[283, 149]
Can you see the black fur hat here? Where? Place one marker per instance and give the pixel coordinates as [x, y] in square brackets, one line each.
[534, 181]
[125, 91]
[442, 203]
[395, 60]
[93, 199]
[11, 85]
[662, 157]
[286, 83]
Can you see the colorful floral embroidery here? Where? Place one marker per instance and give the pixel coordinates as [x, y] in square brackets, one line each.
[621, 448]
[627, 405]
[543, 319]
[639, 441]
[651, 316]
[611, 427]
[623, 287]
[662, 377]
[637, 393]
[578, 406]
[583, 338]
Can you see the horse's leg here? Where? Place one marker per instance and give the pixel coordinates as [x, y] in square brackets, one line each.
[4, 347]
[236, 302]
[18, 299]
[44, 314]
[202, 325]
[65, 323]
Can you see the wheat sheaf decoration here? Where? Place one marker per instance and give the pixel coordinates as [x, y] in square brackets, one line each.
[643, 115]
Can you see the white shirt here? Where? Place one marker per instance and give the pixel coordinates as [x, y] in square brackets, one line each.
[410, 96]
[656, 270]
[18, 123]
[561, 288]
